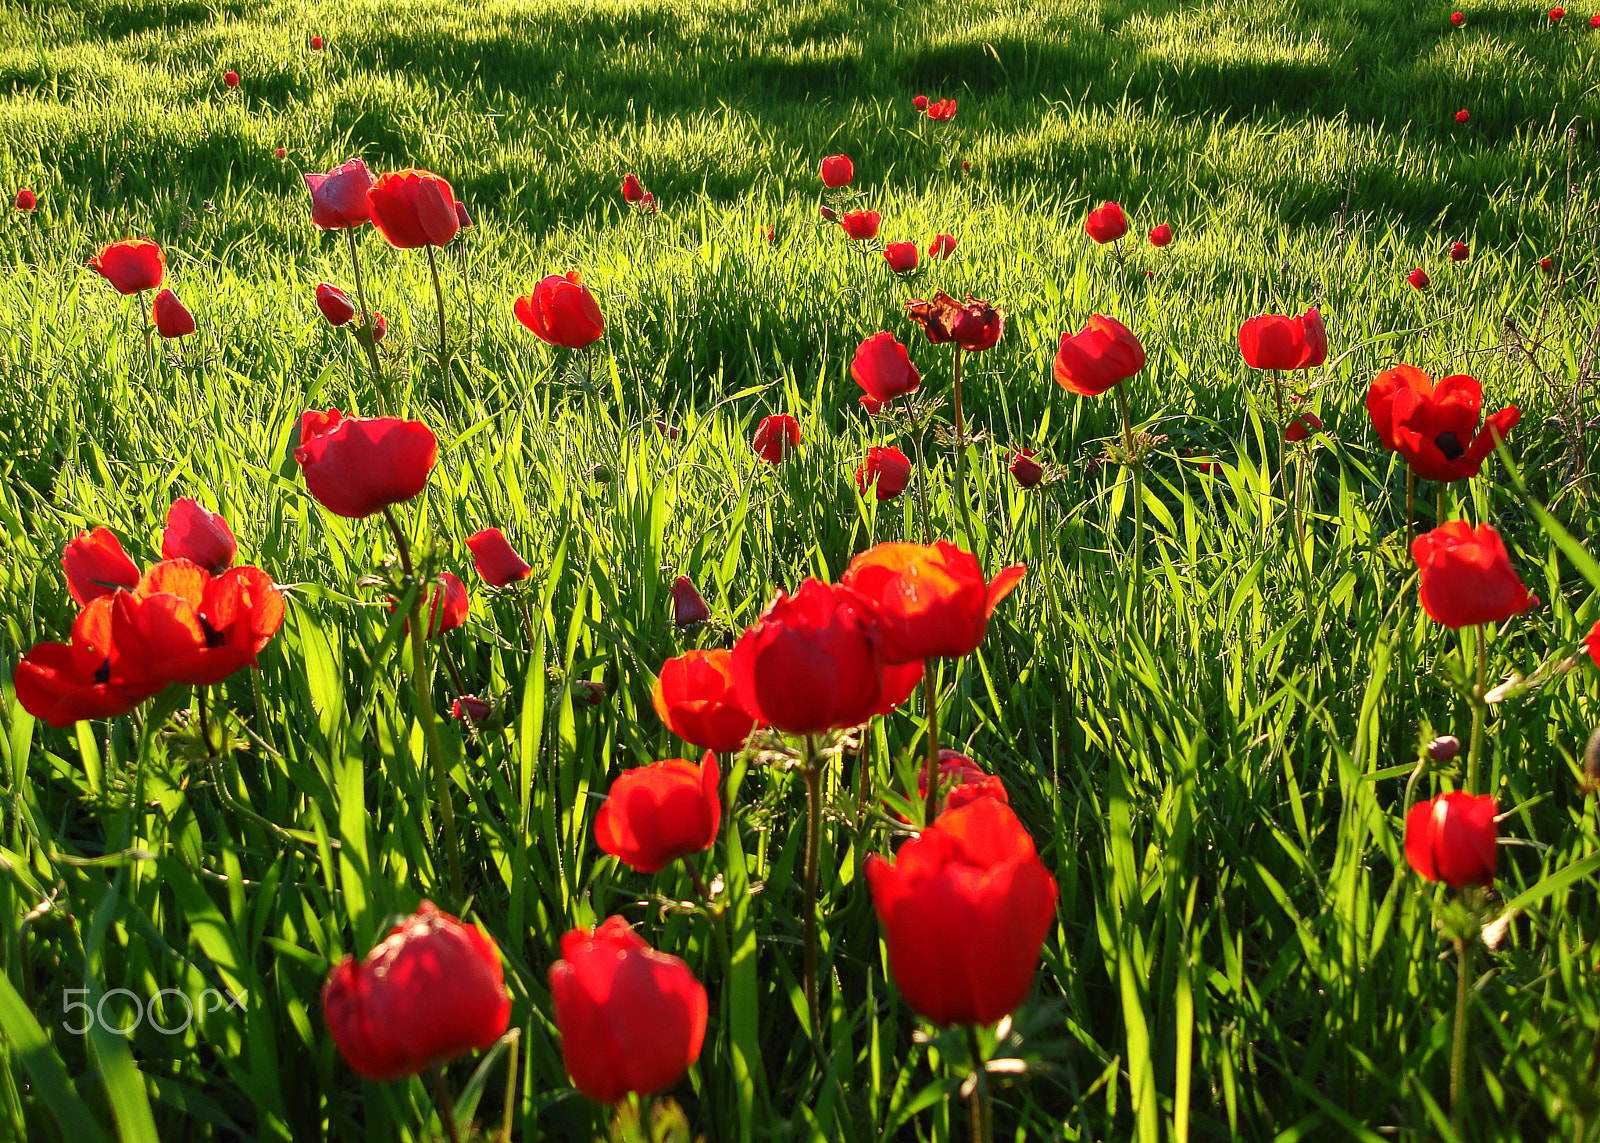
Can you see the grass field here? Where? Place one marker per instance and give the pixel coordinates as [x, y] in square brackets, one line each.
[1214, 762]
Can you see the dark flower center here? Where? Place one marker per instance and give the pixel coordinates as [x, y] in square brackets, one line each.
[1450, 445]
[213, 636]
[102, 673]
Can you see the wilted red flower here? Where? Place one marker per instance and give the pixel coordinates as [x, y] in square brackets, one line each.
[413, 208]
[837, 171]
[339, 198]
[131, 265]
[942, 246]
[655, 814]
[1435, 427]
[96, 565]
[1458, 251]
[975, 326]
[497, 562]
[775, 437]
[942, 109]
[192, 627]
[1106, 223]
[1456, 18]
[688, 605]
[355, 466]
[25, 200]
[469, 708]
[1098, 357]
[171, 317]
[561, 311]
[861, 225]
[1302, 427]
[1467, 577]
[1451, 838]
[335, 304]
[697, 700]
[193, 533]
[886, 471]
[965, 908]
[230, 78]
[631, 1019]
[64, 683]
[928, 600]
[920, 102]
[883, 368]
[813, 661]
[1026, 471]
[1276, 341]
[431, 991]
[1462, 116]
[1161, 235]
[1418, 278]
[901, 256]
[632, 188]
[316, 43]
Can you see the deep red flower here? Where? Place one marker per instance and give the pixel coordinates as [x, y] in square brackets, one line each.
[941, 110]
[901, 256]
[561, 311]
[920, 102]
[1161, 235]
[1106, 223]
[335, 304]
[1276, 341]
[1026, 471]
[355, 466]
[413, 208]
[631, 1019]
[25, 200]
[688, 605]
[193, 533]
[64, 683]
[448, 604]
[837, 171]
[230, 78]
[828, 213]
[1591, 642]
[380, 328]
[776, 437]
[280, 153]
[463, 219]
[942, 246]
[886, 471]
[1419, 279]
[648, 204]
[1547, 264]
[469, 708]
[1458, 251]
[188, 626]
[316, 43]
[883, 368]
[1594, 21]
[1456, 18]
[339, 198]
[861, 225]
[96, 565]
[1101, 355]
[1435, 427]
[171, 317]
[1557, 15]
[497, 562]
[975, 326]
[1467, 577]
[632, 188]
[431, 991]
[813, 661]
[928, 600]
[1462, 116]
[965, 908]
[655, 814]
[697, 699]
[131, 265]
[1302, 427]
[1451, 838]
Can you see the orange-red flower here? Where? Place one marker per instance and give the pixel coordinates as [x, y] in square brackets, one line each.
[131, 265]
[1467, 577]
[655, 814]
[413, 208]
[1435, 426]
[975, 326]
[1098, 357]
[1275, 341]
[942, 109]
[355, 466]
[561, 311]
[697, 699]
[928, 600]
[189, 626]
[1452, 838]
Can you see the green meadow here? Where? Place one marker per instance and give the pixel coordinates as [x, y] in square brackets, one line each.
[1213, 755]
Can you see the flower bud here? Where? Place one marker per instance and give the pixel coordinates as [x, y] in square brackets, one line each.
[1444, 748]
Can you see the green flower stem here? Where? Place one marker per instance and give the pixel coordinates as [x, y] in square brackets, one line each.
[979, 1111]
[922, 473]
[813, 778]
[438, 297]
[961, 454]
[422, 687]
[1138, 501]
[1480, 706]
[930, 807]
[369, 326]
[446, 1105]
[149, 345]
[1458, 1042]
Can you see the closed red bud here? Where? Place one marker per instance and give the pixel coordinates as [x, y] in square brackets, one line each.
[469, 708]
[1100, 356]
[335, 304]
[431, 991]
[1444, 748]
[316, 43]
[171, 317]
[463, 219]
[1557, 15]
[883, 368]
[1458, 251]
[448, 605]
[1467, 577]
[631, 1019]
[920, 102]
[886, 471]
[280, 153]
[828, 213]
[25, 200]
[632, 188]
[230, 78]
[1276, 341]
[1462, 116]
[837, 171]
[929, 600]
[96, 565]
[901, 256]
[648, 203]
[1418, 278]
[697, 699]
[339, 198]
[775, 437]
[1457, 18]
[1161, 235]
[861, 225]
[497, 562]
[380, 328]
[1547, 264]
[131, 265]
[1302, 427]
[193, 533]
[942, 246]
[655, 814]
[1026, 471]
[588, 692]
[1106, 223]
[688, 606]
[561, 311]
[413, 208]
[1452, 838]
[356, 466]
